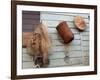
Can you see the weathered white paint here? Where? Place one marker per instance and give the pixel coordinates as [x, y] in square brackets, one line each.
[68, 62]
[52, 17]
[60, 62]
[85, 43]
[86, 33]
[56, 36]
[29, 64]
[67, 14]
[85, 37]
[60, 42]
[55, 23]
[86, 48]
[57, 55]
[27, 57]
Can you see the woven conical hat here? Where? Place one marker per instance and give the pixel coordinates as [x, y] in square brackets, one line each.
[80, 23]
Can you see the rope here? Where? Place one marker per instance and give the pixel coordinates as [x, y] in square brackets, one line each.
[37, 66]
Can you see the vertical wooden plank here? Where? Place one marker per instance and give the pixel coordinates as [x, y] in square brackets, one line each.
[30, 19]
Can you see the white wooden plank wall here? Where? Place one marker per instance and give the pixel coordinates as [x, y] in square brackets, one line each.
[76, 53]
